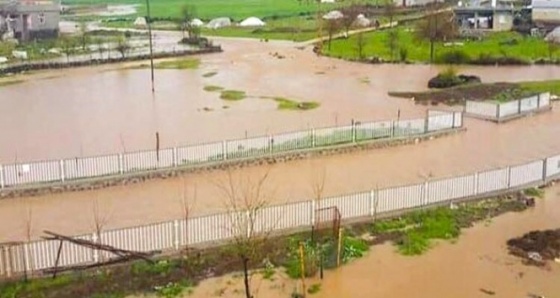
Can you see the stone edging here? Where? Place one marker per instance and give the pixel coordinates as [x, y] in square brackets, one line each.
[133, 178]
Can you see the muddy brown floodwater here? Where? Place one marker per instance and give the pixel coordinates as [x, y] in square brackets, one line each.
[86, 111]
[477, 262]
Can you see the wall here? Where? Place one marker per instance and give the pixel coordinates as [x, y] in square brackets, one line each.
[503, 20]
[499, 112]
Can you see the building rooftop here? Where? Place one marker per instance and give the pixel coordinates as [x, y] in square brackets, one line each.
[545, 4]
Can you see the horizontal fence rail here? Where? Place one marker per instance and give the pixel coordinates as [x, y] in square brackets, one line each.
[26, 173]
[175, 234]
[498, 111]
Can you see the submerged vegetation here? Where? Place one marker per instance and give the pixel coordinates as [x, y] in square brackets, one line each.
[233, 95]
[187, 63]
[213, 88]
[288, 104]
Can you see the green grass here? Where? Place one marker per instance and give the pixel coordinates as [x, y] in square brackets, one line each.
[209, 74]
[288, 104]
[212, 88]
[534, 192]
[208, 9]
[188, 63]
[439, 223]
[8, 83]
[552, 86]
[233, 95]
[528, 48]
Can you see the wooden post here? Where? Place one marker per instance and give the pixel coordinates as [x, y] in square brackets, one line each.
[157, 146]
[302, 263]
[544, 173]
[339, 247]
[57, 259]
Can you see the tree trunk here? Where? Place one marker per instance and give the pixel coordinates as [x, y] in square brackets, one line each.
[432, 51]
[246, 276]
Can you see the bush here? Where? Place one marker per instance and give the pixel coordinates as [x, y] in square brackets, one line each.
[487, 59]
[403, 54]
[454, 57]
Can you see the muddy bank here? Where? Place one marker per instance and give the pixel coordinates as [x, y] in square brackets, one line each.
[536, 247]
[113, 181]
[459, 95]
[34, 66]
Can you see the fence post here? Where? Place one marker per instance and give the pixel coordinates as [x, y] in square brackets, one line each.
[249, 224]
[8, 258]
[453, 121]
[545, 165]
[497, 111]
[426, 185]
[27, 265]
[508, 177]
[224, 150]
[121, 163]
[538, 101]
[372, 196]
[519, 106]
[392, 129]
[62, 176]
[475, 183]
[176, 241]
[2, 177]
[353, 131]
[312, 137]
[95, 251]
[313, 212]
[271, 143]
[175, 157]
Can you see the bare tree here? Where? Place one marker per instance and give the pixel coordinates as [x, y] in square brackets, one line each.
[100, 44]
[349, 17]
[436, 27]
[188, 14]
[552, 47]
[244, 201]
[360, 45]
[28, 221]
[67, 46]
[99, 221]
[393, 35]
[333, 25]
[188, 202]
[123, 47]
[392, 42]
[84, 37]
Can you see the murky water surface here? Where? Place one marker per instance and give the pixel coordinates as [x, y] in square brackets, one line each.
[97, 111]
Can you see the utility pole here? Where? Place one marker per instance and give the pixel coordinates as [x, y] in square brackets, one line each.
[149, 23]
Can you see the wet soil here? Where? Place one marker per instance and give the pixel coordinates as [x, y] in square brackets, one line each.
[458, 95]
[546, 243]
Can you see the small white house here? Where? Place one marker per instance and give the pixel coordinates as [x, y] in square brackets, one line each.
[219, 23]
[252, 22]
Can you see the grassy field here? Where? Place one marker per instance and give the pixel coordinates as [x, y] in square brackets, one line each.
[208, 9]
[496, 45]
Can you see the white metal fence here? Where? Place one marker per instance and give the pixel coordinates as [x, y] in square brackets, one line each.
[499, 111]
[172, 235]
[23, 173]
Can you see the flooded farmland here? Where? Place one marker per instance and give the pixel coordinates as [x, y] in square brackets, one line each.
[477, 265]
[104, 110]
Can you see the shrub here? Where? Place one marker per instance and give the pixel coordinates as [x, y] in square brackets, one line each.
[403, 54]
[454, 57]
